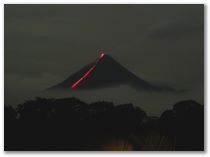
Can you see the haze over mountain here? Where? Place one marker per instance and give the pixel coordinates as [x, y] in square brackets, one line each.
[105, 72]
[45, 44]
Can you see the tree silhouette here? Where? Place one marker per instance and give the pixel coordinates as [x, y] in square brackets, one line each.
[70, 124]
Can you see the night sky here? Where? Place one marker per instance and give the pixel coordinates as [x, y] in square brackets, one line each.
[163, 44]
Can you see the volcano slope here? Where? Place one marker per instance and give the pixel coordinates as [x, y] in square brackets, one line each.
[105, 72]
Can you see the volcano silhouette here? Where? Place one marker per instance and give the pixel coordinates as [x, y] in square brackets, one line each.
[105, 72]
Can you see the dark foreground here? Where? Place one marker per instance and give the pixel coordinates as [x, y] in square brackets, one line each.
[70, 124]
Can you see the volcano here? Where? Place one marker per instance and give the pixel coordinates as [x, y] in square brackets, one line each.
[105, 72]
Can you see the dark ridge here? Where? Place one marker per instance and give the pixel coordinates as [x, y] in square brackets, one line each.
[107, 73]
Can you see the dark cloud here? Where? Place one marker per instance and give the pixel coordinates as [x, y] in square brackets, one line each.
[173, 29]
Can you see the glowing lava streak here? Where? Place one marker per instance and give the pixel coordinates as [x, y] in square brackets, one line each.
[88, 72]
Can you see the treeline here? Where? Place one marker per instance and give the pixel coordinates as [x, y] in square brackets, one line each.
[70, 124]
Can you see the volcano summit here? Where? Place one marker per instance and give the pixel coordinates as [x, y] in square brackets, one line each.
[105, 72]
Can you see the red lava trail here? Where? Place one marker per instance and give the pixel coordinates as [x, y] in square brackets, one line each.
[88, 72]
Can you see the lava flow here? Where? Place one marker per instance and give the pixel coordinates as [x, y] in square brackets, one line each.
[88, 72]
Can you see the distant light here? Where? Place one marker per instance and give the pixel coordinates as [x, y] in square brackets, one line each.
[101, 54]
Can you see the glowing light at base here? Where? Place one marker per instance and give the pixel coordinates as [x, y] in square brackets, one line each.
[88, 72]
